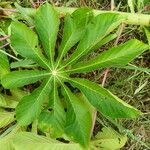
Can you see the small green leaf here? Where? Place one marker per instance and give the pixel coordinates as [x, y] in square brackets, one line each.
[25, 42]
[47, 26]
[29, 107]
[104, 101]
[115, 57]
[20, 78]
[78, 119]
[108, 139]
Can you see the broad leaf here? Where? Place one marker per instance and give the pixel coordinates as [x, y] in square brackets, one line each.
[105, 102]
[30, 106]
[25, 42]
[74, 28]
[53, 121]
[115, 57]
[108, 139]
[26, 140]
[47, 26]
[99, 27]
[21, 78]
[78, 119]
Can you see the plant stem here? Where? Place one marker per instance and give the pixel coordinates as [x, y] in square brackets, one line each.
[131, 18]
[1, 51]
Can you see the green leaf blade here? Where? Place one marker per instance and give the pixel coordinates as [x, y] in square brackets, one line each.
[78, 119]
[104, 101]
[53, 120]
[74, 28]
[20, 78]
[117, 56]
[29, 107]
[100, 27]
[4, 64]
[47, 26]
[25, 42]
[27, 140]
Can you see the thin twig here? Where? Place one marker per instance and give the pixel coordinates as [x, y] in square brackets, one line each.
[4, 45]
[1, 51]
[113, 5]
[105, 76]
[4, 38]
[33, 4]
[119, 33]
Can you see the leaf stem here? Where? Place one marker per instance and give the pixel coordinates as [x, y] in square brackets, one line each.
[1, 51]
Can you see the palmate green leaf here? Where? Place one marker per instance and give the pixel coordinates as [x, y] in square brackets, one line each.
[99, 27]
[25, 42]
[104, 101]
[26, 140]
[114, 57]
[78, 123]
[108, 139]
[29, 107]
[53, 121]
[47, 26]
[20, 78]
[6, 118]
[78, 119]
[74, 29]
[4, 64]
